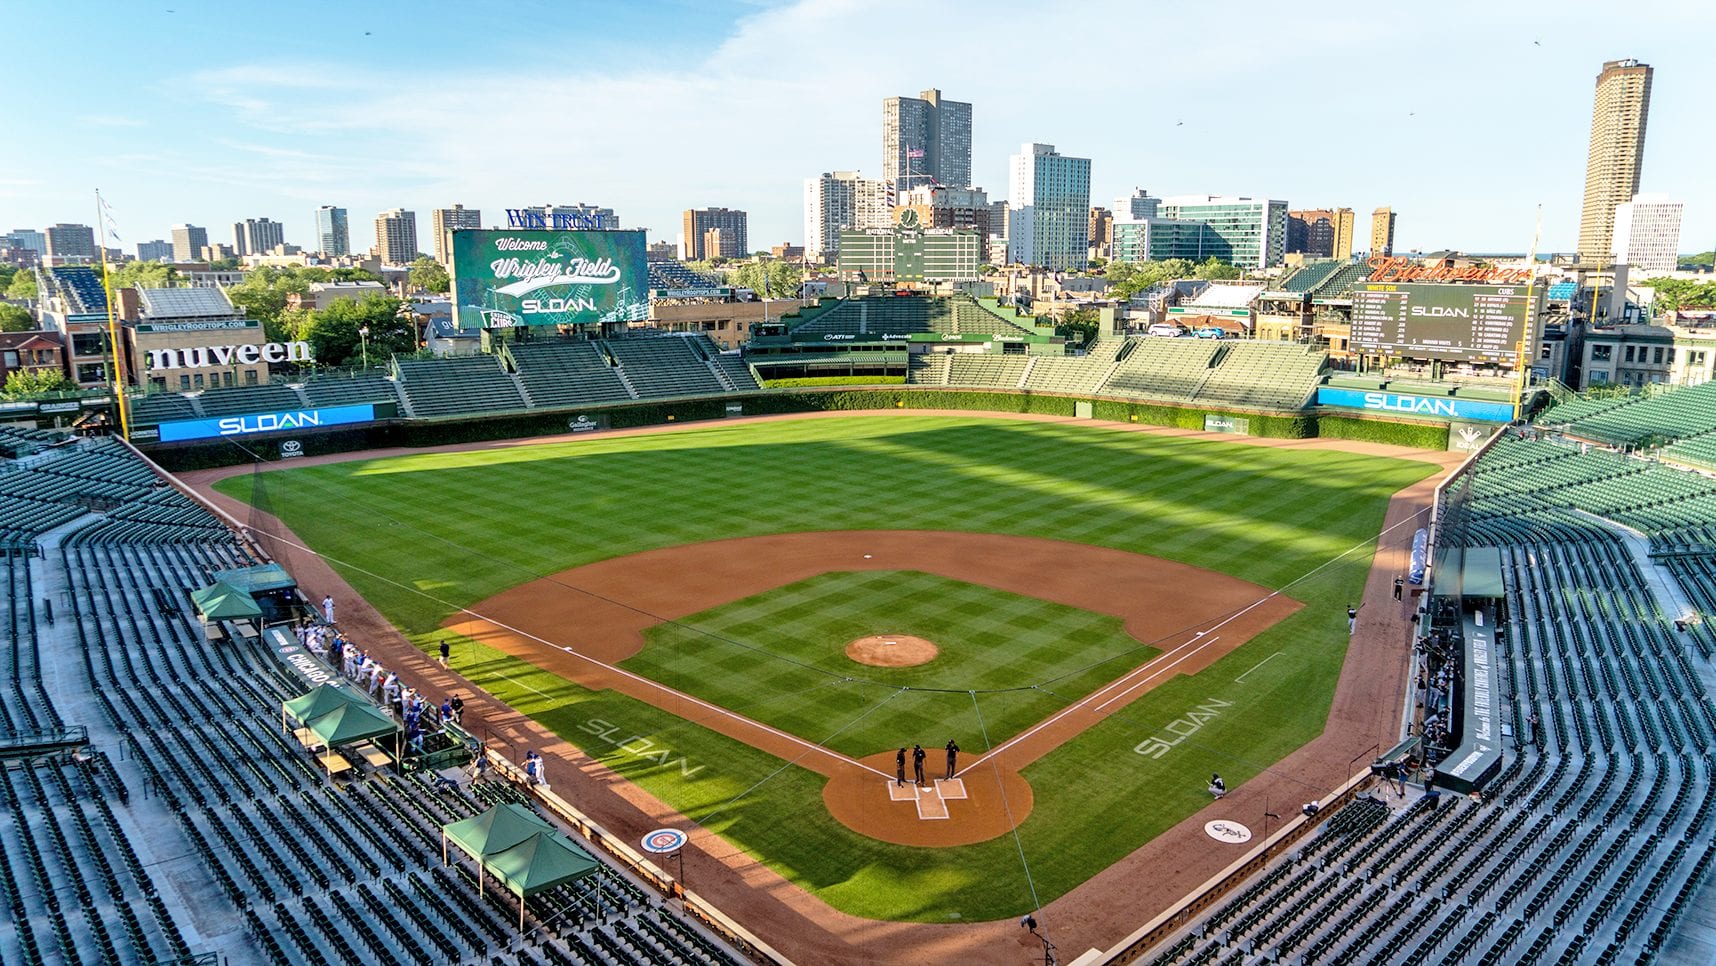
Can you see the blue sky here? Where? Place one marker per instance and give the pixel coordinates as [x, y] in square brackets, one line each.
[1462, 116]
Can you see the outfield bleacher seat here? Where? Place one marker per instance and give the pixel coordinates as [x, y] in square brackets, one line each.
[161, 407]
[985, 369]
[340, 389]
[1669, 415]
[452, 386]
[566, 372]
[274, 397]
[1162, 368]
[1270, 375]
[664, 366]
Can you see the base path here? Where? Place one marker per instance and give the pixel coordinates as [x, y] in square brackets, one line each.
[582, 622]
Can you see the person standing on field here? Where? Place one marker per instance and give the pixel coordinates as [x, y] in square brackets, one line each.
[952, 756]
[900, 766]
[446, 652]
[918, 756]
[328, 608]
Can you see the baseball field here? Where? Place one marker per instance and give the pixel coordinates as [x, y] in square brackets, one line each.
[748, 620]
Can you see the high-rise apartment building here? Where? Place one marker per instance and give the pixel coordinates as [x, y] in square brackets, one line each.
[333, 233]
[396, 236]
[1099, 230]
[1136, 205]
[442, 221]
[837, 200]
[189, 242]
[1343, 245]
[28, 238]
[1311, 232]
[66, 244]
[159, 250]
[1382, 231]
[699, 222]
[1616, 153]
[1049, 208]
[257, 236]
[936, 206]
[1647, 233]
[926, 140]
[1248, 232]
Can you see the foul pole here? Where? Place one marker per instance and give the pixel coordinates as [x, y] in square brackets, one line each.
[118, 371]
[1522, 364]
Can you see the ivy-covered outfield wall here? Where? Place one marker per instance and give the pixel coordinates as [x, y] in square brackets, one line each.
[495, 426]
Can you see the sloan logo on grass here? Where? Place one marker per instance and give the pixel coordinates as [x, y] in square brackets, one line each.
[1180, 729]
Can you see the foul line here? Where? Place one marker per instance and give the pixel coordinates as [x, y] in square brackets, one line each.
[1257, 665]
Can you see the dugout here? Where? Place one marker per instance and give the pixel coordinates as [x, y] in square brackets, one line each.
[1459, 648]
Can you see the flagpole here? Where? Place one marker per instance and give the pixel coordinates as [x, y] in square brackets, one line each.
[118, 372]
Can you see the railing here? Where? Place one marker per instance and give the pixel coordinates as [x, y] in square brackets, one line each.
[42, 740]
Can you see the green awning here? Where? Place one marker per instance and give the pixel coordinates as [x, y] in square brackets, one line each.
[541, 862]
[496, 830]
[255, 580]
[221, 602]
[1481, 576]
[322, 700]
[350, 722]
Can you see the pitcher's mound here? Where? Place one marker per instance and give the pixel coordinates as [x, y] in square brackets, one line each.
[891, 650]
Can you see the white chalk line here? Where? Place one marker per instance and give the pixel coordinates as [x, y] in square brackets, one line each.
[1259, 664]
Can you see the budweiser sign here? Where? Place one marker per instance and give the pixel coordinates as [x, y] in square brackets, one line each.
[1392, 269]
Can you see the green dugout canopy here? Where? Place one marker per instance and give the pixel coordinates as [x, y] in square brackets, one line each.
[523, 851]
[257, 579]
[322, 700]
[350, 723]
[221, 601]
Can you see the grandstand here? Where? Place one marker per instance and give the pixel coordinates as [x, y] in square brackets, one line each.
[214, 833]
[1632, 420]
[664, 366]
[886, 315]
[566, 372]
[457, 385]
[1308, 277]
[1592, 842]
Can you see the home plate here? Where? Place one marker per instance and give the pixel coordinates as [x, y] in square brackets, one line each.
[950, 788]
[930, 805]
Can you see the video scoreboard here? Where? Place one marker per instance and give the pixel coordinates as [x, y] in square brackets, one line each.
[1462, 323]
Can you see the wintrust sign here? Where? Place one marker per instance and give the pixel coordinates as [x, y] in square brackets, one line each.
[220, 356]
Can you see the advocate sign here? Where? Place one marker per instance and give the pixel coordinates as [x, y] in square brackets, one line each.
[1440, 407]
[292, 420]
[222, 356]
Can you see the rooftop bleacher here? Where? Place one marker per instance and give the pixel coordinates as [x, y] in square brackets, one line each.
[673, 274]
[1307, 277]
[80, 286]
[1340, 283]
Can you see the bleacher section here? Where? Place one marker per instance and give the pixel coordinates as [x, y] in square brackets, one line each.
[341, 389]
[161, 407]
[80, 287]
[1308, 277]
[927, 368]
[1670, 415]
[1265, 375]
[566, 372]
[1340, 283]
[664, 366]
[1161, 368]
[1075, 374]
[214, 815]
[1699, 451]
[902, 316]
[966, 369]
[453, 386]
[275, 397]
[1589, 846]
[672, 274]
[738, 372]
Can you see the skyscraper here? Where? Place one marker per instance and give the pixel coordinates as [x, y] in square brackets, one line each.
[1647, 233]
[189, 242]
[841, 199]
[928, 137]
[1136, 205]
[1049, 208]
[257, 236]
[30, 238]
[730, 243]
[1343, 233]
[442, 221]
[154, 251]
[1248, 232]
[1616, 153]
[396, 236]
[1382, 231]
[333, 234]
[1311, 232]
[69, 244]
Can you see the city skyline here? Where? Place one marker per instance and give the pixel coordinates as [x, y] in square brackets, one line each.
[304, 119]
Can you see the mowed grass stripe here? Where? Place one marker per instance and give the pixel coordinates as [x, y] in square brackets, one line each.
[1262, 514]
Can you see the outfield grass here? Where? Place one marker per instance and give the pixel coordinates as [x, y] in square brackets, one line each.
[460, 527]
[791, 642]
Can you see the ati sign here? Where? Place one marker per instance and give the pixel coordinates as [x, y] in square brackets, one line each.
[251, 423]
[222, 356]
[1442, 407]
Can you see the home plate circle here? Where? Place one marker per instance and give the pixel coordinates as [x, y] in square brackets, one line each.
[666, 840]
[1232, 833]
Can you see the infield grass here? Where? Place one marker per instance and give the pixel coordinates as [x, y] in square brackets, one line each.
[421, 535]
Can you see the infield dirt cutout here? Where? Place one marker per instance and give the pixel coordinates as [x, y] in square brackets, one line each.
[581, 622]
[892, 650]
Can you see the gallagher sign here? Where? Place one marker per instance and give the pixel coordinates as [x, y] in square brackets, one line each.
[250, 423]
[503, 279]
[1436, 406]
[221, 356]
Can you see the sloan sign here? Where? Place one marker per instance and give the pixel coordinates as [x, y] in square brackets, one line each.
[222, 356]
[288, 420]
[1440, 407]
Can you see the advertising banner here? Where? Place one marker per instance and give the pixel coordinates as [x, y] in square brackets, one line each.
[1405, 405]
[1468, 437]
[1227, 424]
[510, 278]
[250, 423]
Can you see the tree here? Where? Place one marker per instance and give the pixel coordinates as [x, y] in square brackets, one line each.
[774, 279]
[1694, 262]
[1097, 262]
[145, 275]
[1214, 269]
[15, 318]
[333, 332]
[428, 275]
[26, 383]
[1078, 325]
[223, 265]
[1681, 293]
[22, 286]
